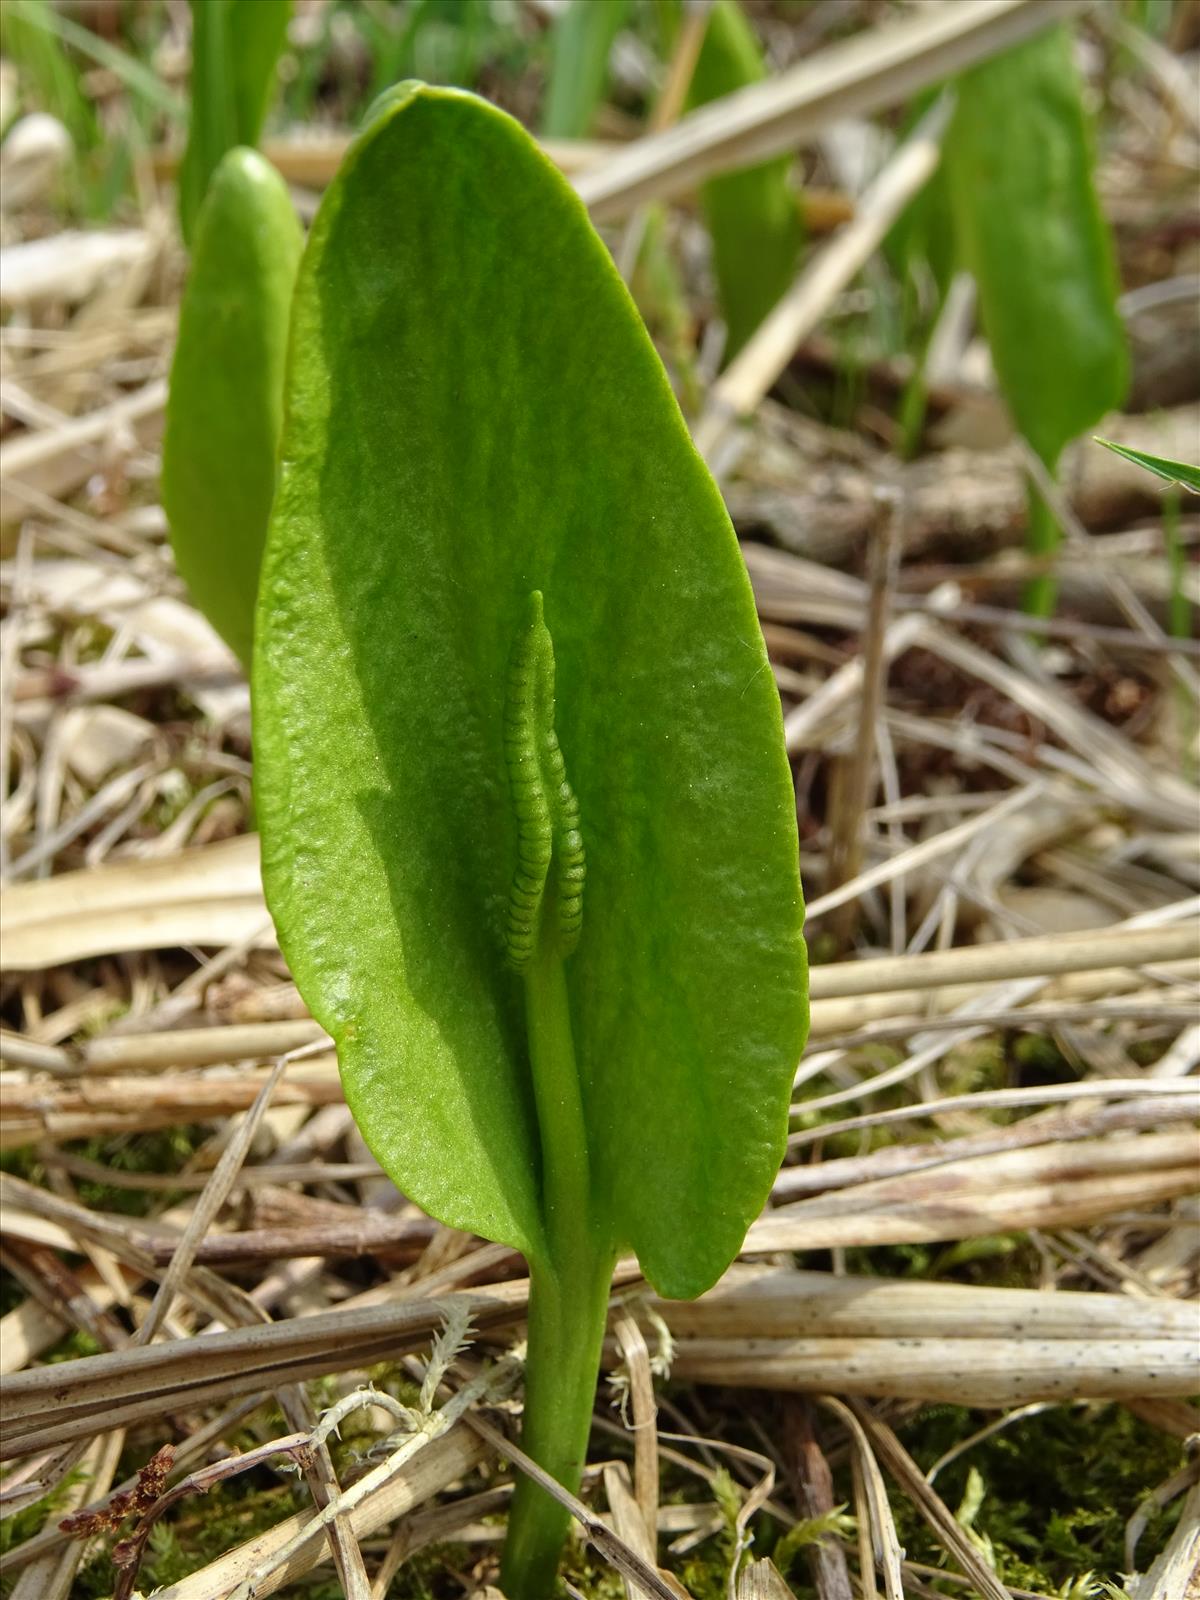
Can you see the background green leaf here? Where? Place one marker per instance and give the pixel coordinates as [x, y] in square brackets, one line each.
[921, 250]
[1019, 163]
[257, 33]
[474, 413]
[235, 46]
[57, 80]
[225, 408]
[579, 50]
[1018, 156]
[753, 215]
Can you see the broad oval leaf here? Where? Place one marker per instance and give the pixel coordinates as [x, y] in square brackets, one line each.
[225, 409]
[475, 416]
[1019, 160]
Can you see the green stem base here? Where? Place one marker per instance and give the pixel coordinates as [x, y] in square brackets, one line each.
[568, 1310]
[1042, 538]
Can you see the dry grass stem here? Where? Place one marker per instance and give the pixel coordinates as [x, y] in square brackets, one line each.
[1070, 1340]
[826, 1556]
[1018, 958]
[852, 78]
[880, 1548]
[642, 1415]
[755, 369]
[443, 1461]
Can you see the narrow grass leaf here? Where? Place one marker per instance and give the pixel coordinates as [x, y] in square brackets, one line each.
[235, 45]
[138, 78]
[1187, 477]
[33, 43]
[579, 51]
[753, 215]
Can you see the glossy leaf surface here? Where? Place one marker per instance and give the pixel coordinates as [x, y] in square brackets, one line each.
[225, 408]
[753, 215]
[476, 415]
[235, 47]
[1019, 160]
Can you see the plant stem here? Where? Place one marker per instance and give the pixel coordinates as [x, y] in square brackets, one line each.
[1179, 607]
[566, 1176]
[568, 1312]
[568, 1292]
[1179, 626]
[1042, 538]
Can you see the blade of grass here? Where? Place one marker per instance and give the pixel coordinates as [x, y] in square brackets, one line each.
[579, 49]
[137, 78]
[1178, 472]
[33, 42]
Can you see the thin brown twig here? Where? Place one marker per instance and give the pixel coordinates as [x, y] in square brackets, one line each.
[853, 792]
[127, 1556]
[814, 1487]
[195, 1444]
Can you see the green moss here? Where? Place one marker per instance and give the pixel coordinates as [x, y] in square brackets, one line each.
[1037, 1059]
[203, 1529]
[587, 1572]
[21, 1162]
[24, 1524]
[1051, 1494]
[164, 1151]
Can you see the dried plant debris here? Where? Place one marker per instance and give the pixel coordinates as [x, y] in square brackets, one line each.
[957, 1353]
[128, 1503]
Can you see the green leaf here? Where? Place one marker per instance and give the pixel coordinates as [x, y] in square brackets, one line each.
[921, 249]
[258, 32]
[235, 47]
[1170, 471]
[923, 236]
[836, 1523]
[579, 51]
[225, 408]
[474, 416]
[753, 214]
[1019, 160]
[528, 826]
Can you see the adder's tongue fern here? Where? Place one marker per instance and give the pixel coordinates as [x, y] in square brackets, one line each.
[529, 832]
